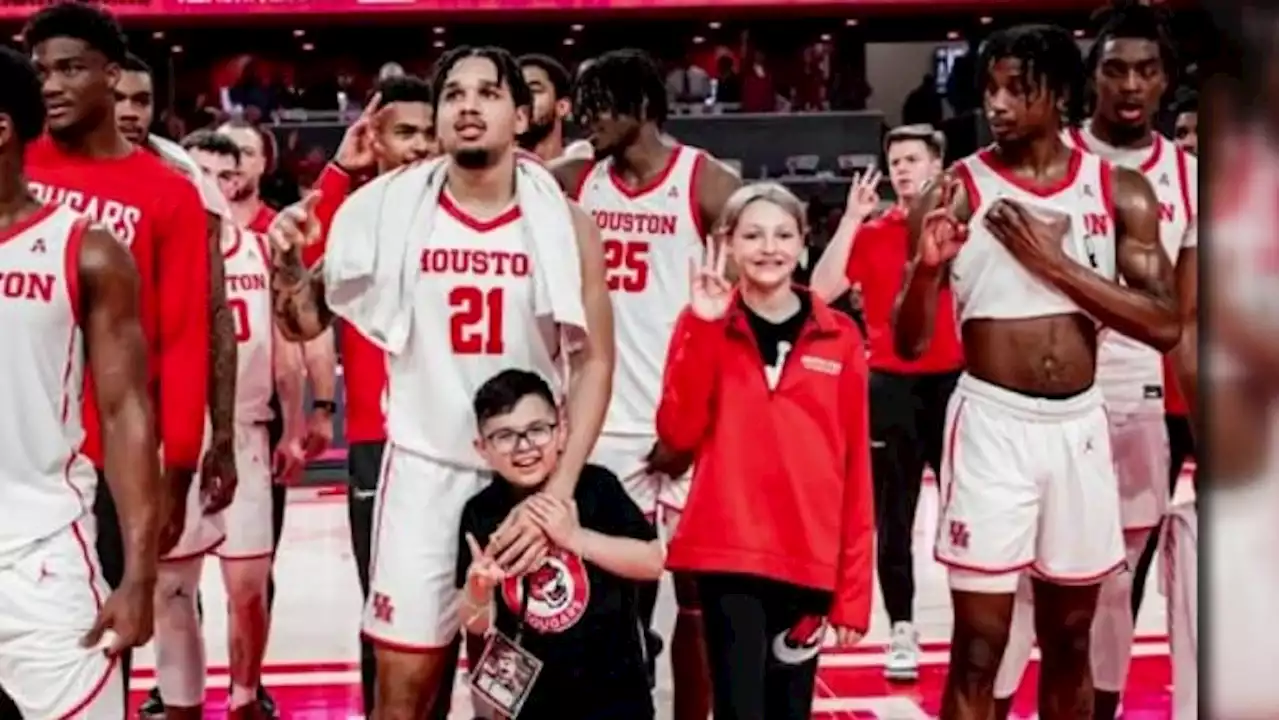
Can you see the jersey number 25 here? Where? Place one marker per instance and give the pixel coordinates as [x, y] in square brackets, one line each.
[475, 328]
[626, 264]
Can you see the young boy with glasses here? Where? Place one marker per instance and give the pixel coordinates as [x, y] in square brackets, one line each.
[573, 620]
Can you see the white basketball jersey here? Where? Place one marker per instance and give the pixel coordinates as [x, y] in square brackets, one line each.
[1128, 371]
[46, 483]
[248, 273]
[987, 280]
[473, 318]
[649, 235]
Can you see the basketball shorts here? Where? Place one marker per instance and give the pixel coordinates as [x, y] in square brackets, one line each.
[201, 533]
[250, 534]
[417, 517]
[1180, 584]
[50, 593]
[1140, 446]
[654, 493]
[1027, 483]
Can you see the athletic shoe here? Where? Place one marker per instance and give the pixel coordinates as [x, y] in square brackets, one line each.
[267, 704]
[153, 707]
[903, 661]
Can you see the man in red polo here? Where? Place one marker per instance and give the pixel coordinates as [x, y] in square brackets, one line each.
[908, 398]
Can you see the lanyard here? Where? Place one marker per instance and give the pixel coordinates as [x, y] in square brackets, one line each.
[524, 609]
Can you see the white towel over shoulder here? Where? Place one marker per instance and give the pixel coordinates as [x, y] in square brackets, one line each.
[370, 262]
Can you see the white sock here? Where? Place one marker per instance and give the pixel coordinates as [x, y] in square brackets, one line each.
[241, 696]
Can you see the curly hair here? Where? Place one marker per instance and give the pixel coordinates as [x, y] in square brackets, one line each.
[1050, 59]
[624, 82]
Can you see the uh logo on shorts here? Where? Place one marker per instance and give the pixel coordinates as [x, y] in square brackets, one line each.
[958, 534]
[802, 641]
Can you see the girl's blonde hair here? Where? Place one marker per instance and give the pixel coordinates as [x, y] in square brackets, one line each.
[770, 192]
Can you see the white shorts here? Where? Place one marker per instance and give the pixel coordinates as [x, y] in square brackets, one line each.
[623, 455]
[1180, 584]
[417, 517]
[1140, 446]
[247, 520]
[50, 593]
[1027, 483]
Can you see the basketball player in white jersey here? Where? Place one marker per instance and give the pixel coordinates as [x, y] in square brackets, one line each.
[134, 109]
[1034, 237]
[654, 202]
[1132, 61]
[471, 319]
[68, 304]
[244, 542]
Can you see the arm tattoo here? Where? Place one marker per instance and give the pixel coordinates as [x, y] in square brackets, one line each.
[297, 297]
[222, 348]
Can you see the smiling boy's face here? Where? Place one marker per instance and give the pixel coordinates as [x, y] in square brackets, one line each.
[523, 445]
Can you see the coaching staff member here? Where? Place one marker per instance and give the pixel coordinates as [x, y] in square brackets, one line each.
[908, 398]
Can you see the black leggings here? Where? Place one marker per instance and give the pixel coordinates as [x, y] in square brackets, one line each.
[763, 639]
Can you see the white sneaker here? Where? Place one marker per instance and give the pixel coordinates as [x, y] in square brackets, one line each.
[902, 664]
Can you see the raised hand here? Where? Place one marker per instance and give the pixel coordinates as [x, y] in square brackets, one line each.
[709, 289]
[296, 226]
[942, 234]
[864, 197]
[484, 573]
[358, 150]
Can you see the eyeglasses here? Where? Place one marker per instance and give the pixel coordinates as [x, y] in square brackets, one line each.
[537, 435]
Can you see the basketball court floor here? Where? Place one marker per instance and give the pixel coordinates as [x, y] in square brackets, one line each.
[312, 660]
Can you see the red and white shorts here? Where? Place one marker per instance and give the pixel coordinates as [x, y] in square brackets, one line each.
[1027, 483]
[417, 521]
[50, 593]
[247, 520]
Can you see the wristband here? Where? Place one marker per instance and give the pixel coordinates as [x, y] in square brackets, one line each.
[328, 406]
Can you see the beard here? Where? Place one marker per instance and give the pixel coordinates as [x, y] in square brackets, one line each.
[473, 158]
[537, 132]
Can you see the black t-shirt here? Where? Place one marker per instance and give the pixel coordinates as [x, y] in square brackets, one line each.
[776, 340]
[582, 622]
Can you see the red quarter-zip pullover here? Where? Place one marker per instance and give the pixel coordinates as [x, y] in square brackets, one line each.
[782, 478]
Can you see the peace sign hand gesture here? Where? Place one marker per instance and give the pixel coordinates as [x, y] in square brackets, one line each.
[357, 152]
[863, 196]
[709, 289]
[484, 574]
[942, 234]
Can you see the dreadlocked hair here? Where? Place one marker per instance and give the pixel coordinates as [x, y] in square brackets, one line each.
[624, 82]
[1137, 21]
[1050, 59]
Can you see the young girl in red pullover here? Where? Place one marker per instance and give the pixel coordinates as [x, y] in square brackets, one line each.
[767, 387]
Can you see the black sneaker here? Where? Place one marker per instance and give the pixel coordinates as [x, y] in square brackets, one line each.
[267, 705]
[153, 707]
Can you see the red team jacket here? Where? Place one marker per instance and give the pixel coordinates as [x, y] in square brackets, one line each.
[782, 479]
[156, 212]
[364, 365]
